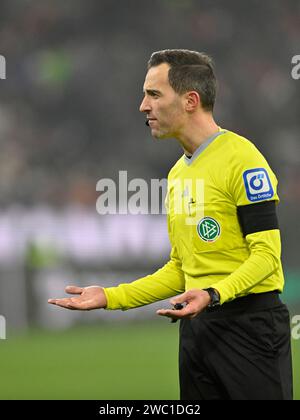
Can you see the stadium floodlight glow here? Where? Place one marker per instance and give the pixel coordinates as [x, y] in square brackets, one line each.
[2, 67]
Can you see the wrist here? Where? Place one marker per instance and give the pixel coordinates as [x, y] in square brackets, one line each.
[214, 296]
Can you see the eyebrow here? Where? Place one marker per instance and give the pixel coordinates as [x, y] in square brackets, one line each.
[152, 92]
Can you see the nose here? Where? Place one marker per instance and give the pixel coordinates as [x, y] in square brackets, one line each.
[145, 106]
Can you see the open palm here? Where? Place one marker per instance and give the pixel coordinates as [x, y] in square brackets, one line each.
[92, 297]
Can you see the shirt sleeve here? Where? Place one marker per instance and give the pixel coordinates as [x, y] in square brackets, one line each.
[166, 282]
[264, 260]
[250, 180]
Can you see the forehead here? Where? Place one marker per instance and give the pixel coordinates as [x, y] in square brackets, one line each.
[157, 77]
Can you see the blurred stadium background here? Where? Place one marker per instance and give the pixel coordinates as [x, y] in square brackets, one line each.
[68, 118]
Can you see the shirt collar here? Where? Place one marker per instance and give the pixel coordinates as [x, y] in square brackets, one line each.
[202, 147]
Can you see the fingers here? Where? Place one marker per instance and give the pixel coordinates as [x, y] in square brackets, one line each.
[75, 290]
[170, 313]
[53, 301]
[181, 298]
[67, 303]
[195, 300]
[175, 314]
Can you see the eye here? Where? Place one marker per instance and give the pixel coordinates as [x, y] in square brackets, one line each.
[155, 95]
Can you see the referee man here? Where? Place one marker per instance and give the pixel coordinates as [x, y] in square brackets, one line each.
[224, 274]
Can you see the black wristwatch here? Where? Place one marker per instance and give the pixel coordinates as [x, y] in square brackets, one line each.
[214, 298]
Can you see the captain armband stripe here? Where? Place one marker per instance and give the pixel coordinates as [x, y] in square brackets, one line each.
[257, 217]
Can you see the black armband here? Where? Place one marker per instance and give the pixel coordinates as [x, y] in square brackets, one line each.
[257, 217]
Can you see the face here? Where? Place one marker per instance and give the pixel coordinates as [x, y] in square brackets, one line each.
[163, 107]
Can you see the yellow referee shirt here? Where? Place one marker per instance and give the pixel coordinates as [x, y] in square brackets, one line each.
[208, 246]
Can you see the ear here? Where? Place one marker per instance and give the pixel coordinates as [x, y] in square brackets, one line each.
[192, 101]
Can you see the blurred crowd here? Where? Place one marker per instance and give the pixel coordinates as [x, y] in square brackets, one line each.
[75, 69]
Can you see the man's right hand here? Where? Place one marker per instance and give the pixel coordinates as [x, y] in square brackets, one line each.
[92, 297]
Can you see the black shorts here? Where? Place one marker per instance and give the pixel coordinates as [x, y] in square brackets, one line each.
[240, 351]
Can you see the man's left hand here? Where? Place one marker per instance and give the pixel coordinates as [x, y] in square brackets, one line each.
[196, 301]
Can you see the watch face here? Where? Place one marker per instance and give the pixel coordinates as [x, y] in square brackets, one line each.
[215, 303]
[215, 300]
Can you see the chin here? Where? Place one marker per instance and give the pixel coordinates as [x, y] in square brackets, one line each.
[160, 136]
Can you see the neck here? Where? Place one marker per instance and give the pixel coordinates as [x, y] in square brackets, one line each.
[197, 130]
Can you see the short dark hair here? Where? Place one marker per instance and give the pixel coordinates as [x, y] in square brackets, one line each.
[189, 70]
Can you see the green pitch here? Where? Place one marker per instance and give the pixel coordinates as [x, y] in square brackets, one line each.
[135, 361]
